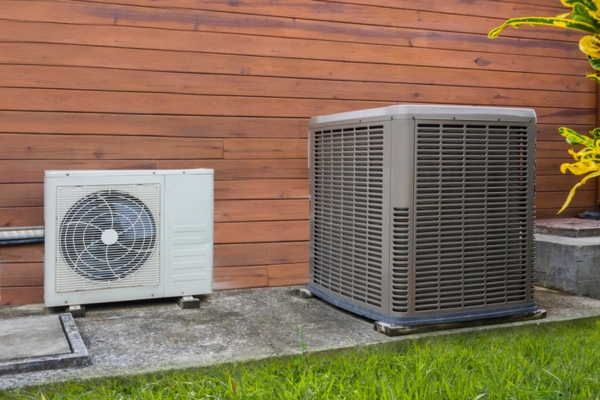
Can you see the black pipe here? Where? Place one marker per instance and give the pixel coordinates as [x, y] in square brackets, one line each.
[11, 242]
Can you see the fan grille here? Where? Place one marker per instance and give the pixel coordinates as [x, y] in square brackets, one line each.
[108, 236]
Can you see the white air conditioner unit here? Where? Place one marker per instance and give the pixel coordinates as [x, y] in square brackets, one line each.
[127, 235]
[423, 214]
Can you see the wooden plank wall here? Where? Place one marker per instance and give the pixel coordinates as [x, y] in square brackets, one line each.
[231, 84]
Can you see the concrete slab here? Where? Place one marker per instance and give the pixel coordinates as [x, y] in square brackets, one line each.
[39, 343]
[568, 227]
[235, 326]
[32, 337]
[569, 264]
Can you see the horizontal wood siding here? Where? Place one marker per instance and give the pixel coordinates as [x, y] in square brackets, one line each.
[231, 85]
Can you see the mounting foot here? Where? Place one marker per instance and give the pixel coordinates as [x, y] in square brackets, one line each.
[188, 302]
[304, 293]
[76, 311]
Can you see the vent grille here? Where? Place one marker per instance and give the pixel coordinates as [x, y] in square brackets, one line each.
[108, 237]
[471, 215]
[347, 212]
[400, 260]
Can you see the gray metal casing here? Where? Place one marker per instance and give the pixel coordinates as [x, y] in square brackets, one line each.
[423, 214]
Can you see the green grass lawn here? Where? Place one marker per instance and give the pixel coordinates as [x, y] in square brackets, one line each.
[545, 361]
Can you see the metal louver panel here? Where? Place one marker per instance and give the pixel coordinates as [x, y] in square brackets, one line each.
[400, 260]
[347, 175]
[472, 215]
[108, 237]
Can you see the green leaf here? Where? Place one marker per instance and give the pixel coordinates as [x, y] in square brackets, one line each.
[544, 21]
[582, 13]
[595, 133]
[591, 156]
[583, 9]
[576, 139]
[589, 4]
[596, 16]
[594, 62]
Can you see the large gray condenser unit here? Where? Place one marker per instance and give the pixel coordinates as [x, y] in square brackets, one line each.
[424, 214]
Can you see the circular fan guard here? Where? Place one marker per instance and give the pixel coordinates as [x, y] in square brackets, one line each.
[107, 235]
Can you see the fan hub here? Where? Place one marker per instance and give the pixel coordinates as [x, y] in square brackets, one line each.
[110, 236]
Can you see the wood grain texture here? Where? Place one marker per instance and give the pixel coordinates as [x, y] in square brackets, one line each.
[292, 26]
[243, 254]
[555, 200]
[240, 277]
[457, 7]
[21, 216]
[21, 195]
[261, 210]
[560, 183]
[89, 147]
[570, 212]
[10, 296]
[267, 46]
[33, 171]
[96, 79]
[262, 189]
[265, 148]
[288, 274]
[256, 232]
[66, 55]
[24, 253]
[21, 274]
[553, 150]
[54, 100]
[549, 132]
[399, 14]
[151, 125]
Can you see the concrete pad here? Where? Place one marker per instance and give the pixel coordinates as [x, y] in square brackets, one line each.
[568, 227]
[40, 343]
[32, 337]
[568, 264]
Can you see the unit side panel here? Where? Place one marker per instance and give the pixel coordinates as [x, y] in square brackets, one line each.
[189, 234]
[473, 216]
[349, 214]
